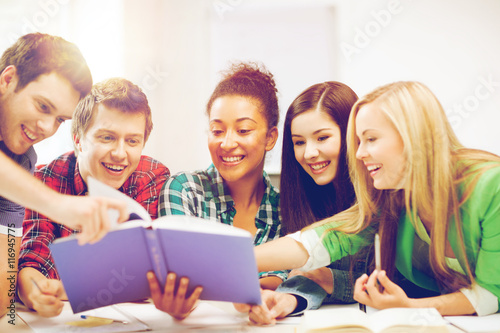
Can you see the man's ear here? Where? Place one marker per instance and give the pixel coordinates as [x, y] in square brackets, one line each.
[78, 145]
[8, 78]
[272, 137]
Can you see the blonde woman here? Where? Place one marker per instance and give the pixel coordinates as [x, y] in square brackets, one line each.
[435, 204]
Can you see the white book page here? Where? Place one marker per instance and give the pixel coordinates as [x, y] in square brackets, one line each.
[338, 317]
[419, 317]
[98, 189]
[476, 324]
[196, 224]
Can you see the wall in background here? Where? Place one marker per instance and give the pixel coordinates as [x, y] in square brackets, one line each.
[174, 50]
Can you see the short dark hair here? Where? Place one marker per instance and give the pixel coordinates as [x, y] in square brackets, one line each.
[250, 80]
[116, 93]
[36, 54]
[316, 202]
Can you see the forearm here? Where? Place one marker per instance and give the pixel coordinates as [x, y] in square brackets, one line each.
[280, 254]
[19, 186]
[25, 285]
[270, 282]
[453, 304]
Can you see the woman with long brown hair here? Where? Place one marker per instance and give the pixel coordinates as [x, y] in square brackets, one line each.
[434, 203]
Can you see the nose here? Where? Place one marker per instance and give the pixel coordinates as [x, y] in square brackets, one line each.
[361, 152]
[119, 151]
[311, 151]
[47, 126]
[229, 142]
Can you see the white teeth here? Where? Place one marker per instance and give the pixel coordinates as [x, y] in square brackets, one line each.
[373, 167]
[114, 167]
[319, 166]
[232, 159]
[30, 135]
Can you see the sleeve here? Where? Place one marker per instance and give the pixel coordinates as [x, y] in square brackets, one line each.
[39, 233]
[486, 197]
[483, 301]
[11, 213]
[345, 272]
[11, 217]
[176, 199]
[281, 274]
[309, 294]
[318, 254]
[149, 193]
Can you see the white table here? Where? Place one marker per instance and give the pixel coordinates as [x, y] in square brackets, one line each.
[208, 317]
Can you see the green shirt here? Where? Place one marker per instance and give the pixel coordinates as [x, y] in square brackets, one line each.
[480, 217]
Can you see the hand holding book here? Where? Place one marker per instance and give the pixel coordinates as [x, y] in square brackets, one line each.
[174, 299]
[218, 257]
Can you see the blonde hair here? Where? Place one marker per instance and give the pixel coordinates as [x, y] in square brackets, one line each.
[432, 175]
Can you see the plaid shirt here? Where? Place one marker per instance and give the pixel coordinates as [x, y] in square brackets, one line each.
[63, 175]
[204, 194]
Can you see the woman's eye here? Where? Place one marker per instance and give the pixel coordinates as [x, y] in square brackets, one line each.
[244, 131]
[217, 132]
[323, 138]
[61, 120]
[298, 143]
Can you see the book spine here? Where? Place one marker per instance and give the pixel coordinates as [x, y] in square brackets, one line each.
[158, 261]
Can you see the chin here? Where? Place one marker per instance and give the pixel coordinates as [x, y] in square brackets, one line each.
[322, 182]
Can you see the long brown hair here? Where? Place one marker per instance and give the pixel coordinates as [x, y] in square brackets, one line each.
[316, 201]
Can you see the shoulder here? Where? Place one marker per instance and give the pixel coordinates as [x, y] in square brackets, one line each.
[273, 191]
[488, 180]
[148, 173]
[59, 168]
[189, 181]
[481, 191]
[149, 167]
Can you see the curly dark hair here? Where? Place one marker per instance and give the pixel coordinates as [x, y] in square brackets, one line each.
[251, 80]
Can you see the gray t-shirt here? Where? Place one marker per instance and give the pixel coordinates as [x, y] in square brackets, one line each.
[11, 213]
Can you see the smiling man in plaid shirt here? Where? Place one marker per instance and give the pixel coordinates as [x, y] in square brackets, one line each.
[110, 128]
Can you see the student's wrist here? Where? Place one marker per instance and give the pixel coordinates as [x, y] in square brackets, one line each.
[411, 303]
[23, 290]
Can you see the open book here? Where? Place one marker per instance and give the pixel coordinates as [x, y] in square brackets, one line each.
[218, 257]
[384, 321]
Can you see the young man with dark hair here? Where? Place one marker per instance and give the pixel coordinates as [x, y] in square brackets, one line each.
[42, 79]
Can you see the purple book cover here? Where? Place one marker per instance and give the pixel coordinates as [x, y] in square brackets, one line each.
[218, 257]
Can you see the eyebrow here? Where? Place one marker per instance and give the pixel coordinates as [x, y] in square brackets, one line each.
[46, 101]
[316, 132]
[239, 120]
[367, 130]
[107, 131]
[51, 106]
